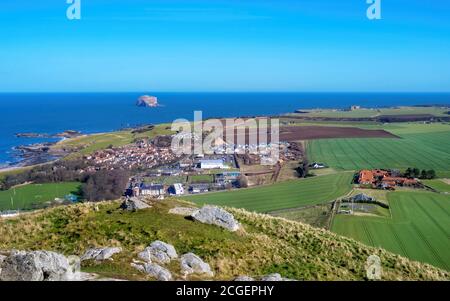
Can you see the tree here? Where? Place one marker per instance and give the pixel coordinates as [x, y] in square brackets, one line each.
[416, 172]
[105, 185]
[242, 181]
[431, 174]
[408, 172]
[423, 174]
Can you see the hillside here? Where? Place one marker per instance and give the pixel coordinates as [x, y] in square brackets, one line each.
[264, 245]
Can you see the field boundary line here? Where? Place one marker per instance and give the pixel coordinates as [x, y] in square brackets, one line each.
[433, 220]
[430, 247]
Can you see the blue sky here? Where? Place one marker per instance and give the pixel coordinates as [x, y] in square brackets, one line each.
[209, 45]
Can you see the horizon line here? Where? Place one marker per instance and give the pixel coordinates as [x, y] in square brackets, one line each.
[218, 91]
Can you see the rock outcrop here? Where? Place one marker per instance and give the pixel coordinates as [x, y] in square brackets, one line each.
[154, 270]
[192, 264]
[147, 101]
[275, 277]
[216, 216]
[100, 254]
[37, 266]
[244, 278]
[134, 204]
[158, 251]
[184, 211]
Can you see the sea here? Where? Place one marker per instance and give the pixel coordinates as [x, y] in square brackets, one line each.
[88, 113]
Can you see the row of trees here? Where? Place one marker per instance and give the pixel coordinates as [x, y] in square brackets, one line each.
[422, 174]
[96, 186]
[61, 171]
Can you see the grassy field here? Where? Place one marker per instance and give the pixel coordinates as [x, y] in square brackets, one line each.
[200, 179]
[421, 146]
[28, 196]
[283, 195]
[360, 113]
[438, 185]
[317, 216]
[419, 228]
[91, 143]
[266, 245]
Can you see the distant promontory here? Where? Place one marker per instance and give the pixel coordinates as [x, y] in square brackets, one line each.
[147, 101]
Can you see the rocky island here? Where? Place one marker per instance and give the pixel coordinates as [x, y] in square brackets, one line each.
[147, 101]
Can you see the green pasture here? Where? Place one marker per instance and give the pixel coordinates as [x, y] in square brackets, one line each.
[419, 228]
[283, 195]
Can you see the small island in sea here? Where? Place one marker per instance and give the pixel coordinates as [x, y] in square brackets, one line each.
[147, 101]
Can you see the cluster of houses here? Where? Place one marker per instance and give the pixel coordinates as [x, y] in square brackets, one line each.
[221, 181]
[384, 179]
[141, 154]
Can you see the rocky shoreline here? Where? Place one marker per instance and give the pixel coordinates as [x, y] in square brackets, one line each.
[65, 134]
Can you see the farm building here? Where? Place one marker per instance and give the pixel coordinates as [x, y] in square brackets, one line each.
[384, 179]
[176, 189]
[151, 189]
[229, 175]
[199, 188]
[362, 198]
[211, 164]
[316, 165]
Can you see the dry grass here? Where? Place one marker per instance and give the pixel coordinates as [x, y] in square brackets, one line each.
[265, 244]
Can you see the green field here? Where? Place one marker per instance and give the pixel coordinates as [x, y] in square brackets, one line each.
[34, 195]
[421, 146]
[363, 113]
[200, 179]
[438, 185]
[283, 195]
[91, 143]
[419, 228]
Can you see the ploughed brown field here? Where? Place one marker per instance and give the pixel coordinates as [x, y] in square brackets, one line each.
[296, 133]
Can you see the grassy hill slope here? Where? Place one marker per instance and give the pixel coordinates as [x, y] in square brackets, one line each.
[264, 245]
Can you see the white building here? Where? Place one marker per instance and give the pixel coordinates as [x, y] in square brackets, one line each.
[211, 164]
[177, 189]
[152, 189]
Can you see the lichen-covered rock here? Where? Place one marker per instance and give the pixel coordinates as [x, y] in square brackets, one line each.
[275, 277]
[36, 266]
[272, 277]
[192, 264]
[216, 216]
[100, 254]
[184, 211]
[244, 278]
[154, 270]
[134, 204]
[158, 251]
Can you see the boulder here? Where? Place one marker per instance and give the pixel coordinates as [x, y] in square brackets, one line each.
[158, 251]
[154, 270]
[134, 204]
[184, 211]
[100, 254]
[272, 277]
[216, 216]
[244, 278]
[37, 266]
[275, 277]
[192, 264]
